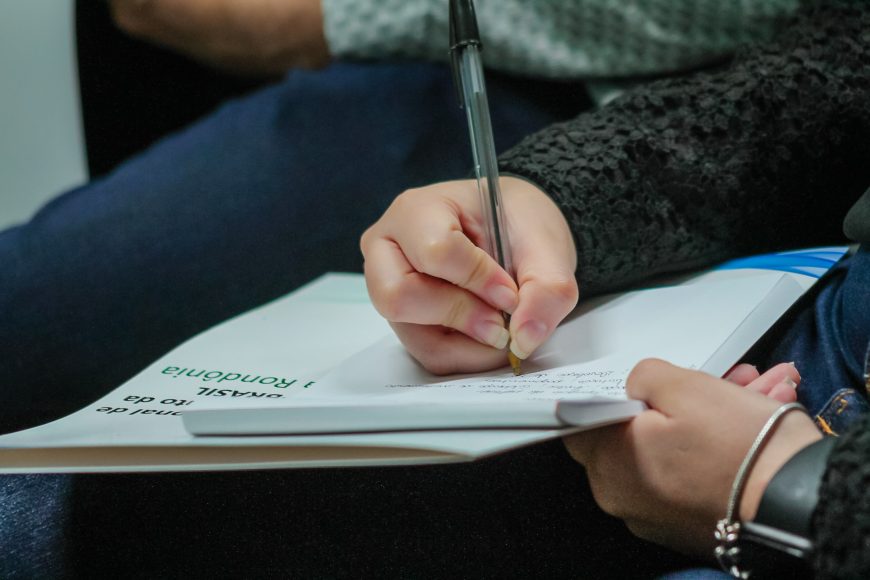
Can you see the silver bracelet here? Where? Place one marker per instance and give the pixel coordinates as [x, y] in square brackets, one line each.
[728, 529]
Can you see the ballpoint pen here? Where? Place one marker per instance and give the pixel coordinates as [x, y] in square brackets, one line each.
[465, 48]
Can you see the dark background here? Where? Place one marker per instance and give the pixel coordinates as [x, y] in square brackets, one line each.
[133, 93]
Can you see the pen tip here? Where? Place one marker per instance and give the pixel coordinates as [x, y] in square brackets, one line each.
[515, 363]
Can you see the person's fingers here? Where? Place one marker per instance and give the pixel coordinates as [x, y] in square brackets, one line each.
[783, 392]
[402, 294]
[424, 267]
[742, 374]
[664, 386]
[669, 388]
[778, 383]
[783, 373]
[442, 351]
[436, 242]
[545, 300]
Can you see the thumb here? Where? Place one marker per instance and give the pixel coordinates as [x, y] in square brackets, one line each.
[545, 260]
[666, 387]
[545, 300]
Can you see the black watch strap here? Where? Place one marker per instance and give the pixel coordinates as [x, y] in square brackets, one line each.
[777, 542]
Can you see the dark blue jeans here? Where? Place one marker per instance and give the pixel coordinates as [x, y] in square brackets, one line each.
[260, 197]
[827, 336]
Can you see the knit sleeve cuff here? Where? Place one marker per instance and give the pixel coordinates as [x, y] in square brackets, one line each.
[841, 522]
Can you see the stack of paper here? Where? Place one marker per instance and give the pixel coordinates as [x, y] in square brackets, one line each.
[317, 379]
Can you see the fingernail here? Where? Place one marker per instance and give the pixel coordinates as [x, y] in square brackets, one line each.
[791, 362]
[503, 298]
[492, 333]
[529, 337]
[790, 382]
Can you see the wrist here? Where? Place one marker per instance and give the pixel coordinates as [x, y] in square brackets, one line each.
[732, 547]
[777, 542]
[795, 433]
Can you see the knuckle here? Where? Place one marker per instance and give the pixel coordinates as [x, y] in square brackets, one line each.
[605, 499]
[565, 290]
[367, 238]
[389, 300]
[436, 252]
[405, 201]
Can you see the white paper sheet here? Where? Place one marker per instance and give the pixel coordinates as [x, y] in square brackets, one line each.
[586, 360]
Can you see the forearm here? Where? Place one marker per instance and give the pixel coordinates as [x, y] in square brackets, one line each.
[252, 37]
[558, 39]
[767, 154]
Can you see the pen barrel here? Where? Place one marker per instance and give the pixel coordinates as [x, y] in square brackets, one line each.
[495, 239]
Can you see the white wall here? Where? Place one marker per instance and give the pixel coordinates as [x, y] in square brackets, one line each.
[41, 137]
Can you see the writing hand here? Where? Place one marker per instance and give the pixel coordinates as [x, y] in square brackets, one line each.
[257, 37]
[444, 296]
[669, 471]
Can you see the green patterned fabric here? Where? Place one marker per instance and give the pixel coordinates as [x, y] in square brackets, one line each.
[560, 38]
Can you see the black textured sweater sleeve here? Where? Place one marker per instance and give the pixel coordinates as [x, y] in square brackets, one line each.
[841, 522]
[767, 153]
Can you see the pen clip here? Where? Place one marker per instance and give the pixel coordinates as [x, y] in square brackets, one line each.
[463, 33]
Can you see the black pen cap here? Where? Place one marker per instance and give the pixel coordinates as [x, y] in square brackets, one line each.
[463, 24]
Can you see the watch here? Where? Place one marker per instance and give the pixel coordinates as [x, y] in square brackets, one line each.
[776, 543]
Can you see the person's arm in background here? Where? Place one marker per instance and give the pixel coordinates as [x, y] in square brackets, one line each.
[559, 38]
[248, 37]
[542, 38]
[767, 154]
